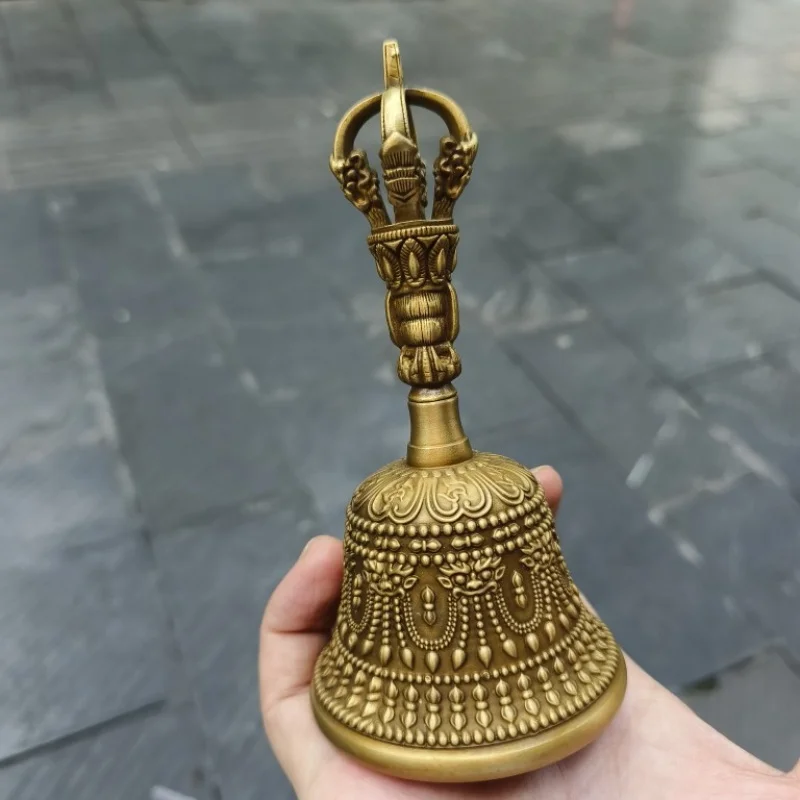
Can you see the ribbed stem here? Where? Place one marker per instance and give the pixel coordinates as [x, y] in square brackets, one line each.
[437, 437]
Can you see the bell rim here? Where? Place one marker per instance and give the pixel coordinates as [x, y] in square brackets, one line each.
[482, 762]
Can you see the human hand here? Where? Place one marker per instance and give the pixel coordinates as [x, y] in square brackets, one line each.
[655, 748]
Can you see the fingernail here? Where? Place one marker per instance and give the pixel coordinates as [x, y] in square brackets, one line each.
[539, 470]
[307, 545]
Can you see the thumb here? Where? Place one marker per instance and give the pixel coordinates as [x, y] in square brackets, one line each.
[295, 627]
[551, 482]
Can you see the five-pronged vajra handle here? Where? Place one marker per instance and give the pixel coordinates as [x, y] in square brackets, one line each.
[415, 256]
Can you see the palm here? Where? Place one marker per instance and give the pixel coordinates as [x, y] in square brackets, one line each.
[655, 747]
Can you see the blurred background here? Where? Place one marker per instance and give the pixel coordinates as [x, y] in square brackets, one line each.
[195, 372]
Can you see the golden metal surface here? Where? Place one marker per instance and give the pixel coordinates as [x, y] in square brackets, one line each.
[462, 650]
[462, 765]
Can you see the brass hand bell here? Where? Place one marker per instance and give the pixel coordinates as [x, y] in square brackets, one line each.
[462, 650]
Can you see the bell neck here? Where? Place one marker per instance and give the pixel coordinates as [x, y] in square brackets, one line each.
[437, 436]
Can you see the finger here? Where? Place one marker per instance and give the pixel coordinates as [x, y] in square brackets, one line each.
[551, 483]
[297, 621]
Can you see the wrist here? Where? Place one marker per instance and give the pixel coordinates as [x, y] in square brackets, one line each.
[772, 786]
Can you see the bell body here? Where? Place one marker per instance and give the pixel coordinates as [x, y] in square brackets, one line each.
[462, 650]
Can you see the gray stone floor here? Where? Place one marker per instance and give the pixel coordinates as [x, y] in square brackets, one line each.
[194, 371]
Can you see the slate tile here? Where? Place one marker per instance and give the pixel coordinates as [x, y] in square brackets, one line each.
[288, 178]
[487, 264]
[137, 296]
[217, 210]
[207, 62]
[769, 148]
[592, 268]
[596, 502]
[545, 224]
[617, 285]
[600, 379]
[273, 47]
[317, 356]
[683, 332]
[685, 455]
[669, 33]
[47, 101]
[766, 244]
[605, 200]
[629, 101]
[654, 226]
[570, 32]
[531, 99]
[683, 267]
[750, 77]
[193, 436]
[652, 168]
[127, 762]
[763, 27]
[747, 534]
[728, 199]
[48, 63]
[543, 439]
[71, 144]
[83, 640]
[759, 405]
[217, 614]
[42, 406]
[31, 256]
[119, 49]
[40, 325]
[649, 431]
[684, 336]
[635, 162]
[790, 355]
[526, 301]
[493, 388]
[93, 208]
[420, 30]
[145, 92]
[130, 318]
[512, 163]
[716, 115]
[705, 155]
[319, 236]
[324, 235]
[61, 493]
[355, 432]
[295, 129]
[781, 117]
[271, 290]
[760, 310]
[271, 51]
[700, 262]
[665, 612]
[756, 704]
[116, 247]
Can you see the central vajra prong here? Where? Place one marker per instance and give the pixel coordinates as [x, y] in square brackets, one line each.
[415, 256]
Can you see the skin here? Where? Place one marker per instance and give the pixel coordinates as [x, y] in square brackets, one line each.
[655, 749]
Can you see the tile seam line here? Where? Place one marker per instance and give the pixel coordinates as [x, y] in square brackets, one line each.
[157, 45]
[221, 511]
[70, 18]
[166, 622]
[144, 711]
[223, 330]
